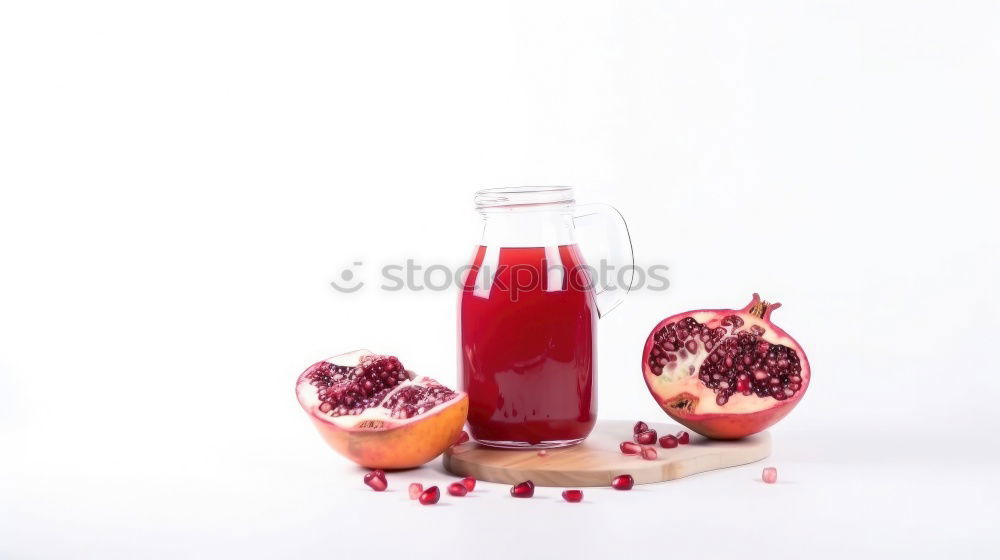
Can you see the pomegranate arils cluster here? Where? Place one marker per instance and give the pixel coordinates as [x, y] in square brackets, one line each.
[642, 436]
[735, 363]
[677, 340]
[747, 364]
[413, 400]
[349, 390]
[645, 437]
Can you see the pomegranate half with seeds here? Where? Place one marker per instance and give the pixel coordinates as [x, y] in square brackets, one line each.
[725, 373]
[378, 414]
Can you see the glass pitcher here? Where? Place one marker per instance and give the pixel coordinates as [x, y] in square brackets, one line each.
[528, 314]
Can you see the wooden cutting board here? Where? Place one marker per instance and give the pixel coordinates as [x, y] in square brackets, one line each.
[598, 459]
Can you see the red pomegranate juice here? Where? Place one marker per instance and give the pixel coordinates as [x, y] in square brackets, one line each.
[527, 345]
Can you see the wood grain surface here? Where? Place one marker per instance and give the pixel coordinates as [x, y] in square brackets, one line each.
[598, 459]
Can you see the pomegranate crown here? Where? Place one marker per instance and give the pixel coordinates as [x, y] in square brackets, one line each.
[760, 308]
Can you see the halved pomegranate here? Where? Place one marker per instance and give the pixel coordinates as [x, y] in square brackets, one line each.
[376, 413]
[725, 373]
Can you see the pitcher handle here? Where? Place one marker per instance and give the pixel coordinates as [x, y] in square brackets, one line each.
[605, 235]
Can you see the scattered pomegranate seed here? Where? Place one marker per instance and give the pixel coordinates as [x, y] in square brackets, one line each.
[430, 496]
[416, 489]
[524, 489]
[649, 453]
[646, 438]
[462, 438]
[542, 453]
[623, 482]
[376, 480]
[639, 427]
[770, 475]
[457, 489]
[469, 483]
[572, 496]
[630, 448]
[683, 438]
[668, 441]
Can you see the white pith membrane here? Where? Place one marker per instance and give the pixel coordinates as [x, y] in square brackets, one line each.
[680, 375]
[396, 398]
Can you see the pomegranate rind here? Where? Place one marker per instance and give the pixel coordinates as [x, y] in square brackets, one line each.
[401, 446]
[375, 441]
[686, 400]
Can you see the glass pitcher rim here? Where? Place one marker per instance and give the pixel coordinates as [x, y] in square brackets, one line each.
[511, 197]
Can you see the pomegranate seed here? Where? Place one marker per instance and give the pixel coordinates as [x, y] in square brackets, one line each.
[630, 448]
[668, 441]
[623, 482]
[743, 384]
[376, 480]
[430, 496]
[543, 453]
[572, 496]
[649, 453]
[415, 490]
[469, 483]
[683, 438]
[462, 438]
[639, 427]
[646, 438]
[770, 475]
[457, 489]
[524, 489]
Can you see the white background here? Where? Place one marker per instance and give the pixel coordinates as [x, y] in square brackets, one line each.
[181, 180]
